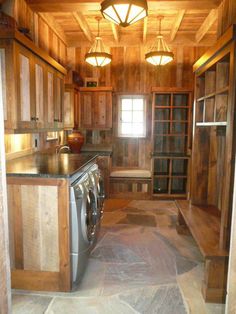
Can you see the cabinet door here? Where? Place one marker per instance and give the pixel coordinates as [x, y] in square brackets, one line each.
[50, 97]
[76, 109]
[3, 96]
[86, 102]
[40, 87]
[103, 110]
[59, 100]
[25, 88]
[69, 108]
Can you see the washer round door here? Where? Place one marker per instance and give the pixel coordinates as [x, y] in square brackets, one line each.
[90, 221]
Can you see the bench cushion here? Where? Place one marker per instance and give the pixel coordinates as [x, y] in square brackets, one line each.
[131, 173]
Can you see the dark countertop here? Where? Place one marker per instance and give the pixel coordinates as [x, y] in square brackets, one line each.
[98, 149]
[50, 165]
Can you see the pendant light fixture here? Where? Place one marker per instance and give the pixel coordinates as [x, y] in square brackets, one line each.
[97, 55]
[159, 53]
[124, 12]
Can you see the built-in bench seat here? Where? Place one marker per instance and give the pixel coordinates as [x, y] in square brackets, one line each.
[204, 224]
[130, 183]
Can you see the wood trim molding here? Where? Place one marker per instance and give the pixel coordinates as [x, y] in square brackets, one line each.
[145, 29]
[52, 23]
[228, 36]
[15, 34]
[115, 32]
[176, 24]
[206, 25]
[80, 19]
[78, 5]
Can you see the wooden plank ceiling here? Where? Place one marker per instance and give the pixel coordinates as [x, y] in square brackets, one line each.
[189, 22]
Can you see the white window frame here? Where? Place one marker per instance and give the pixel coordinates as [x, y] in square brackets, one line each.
[144, 97]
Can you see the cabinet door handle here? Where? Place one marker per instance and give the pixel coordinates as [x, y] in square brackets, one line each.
[37, 119]
[33, 118]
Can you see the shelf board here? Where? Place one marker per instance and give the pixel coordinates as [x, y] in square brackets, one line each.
[171, 107]
[166, 134]
[211, 95]
[170, 176]
[170, 155]
[174, 121]
[223, 123]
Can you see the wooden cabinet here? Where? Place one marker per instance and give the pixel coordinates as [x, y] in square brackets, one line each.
[208, 213]
[32, 86]
[71, 106]
[39, 233]
[214, 131]
[171, 142]
[96, 107]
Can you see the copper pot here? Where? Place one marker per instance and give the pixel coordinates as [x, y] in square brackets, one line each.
[75, 141]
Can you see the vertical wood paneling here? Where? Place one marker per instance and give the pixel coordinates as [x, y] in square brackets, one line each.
[49, 244]
[227, 15]
[130, 73]
[43, 35]
[30, 225]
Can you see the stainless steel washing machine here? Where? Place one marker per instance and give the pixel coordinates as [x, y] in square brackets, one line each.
[84, 220]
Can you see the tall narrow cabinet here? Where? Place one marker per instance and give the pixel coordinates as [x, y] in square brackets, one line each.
[171, 142]
[208, 213]
[214, 131]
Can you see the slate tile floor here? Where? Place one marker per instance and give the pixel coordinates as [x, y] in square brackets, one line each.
[140, 265]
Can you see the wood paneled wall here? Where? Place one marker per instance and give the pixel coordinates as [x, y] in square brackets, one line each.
[226, 15]
[130, 73]
[40, 31]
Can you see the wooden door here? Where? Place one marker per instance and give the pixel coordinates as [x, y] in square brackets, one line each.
[69, 108]
[87, 104]
[25, 89]
[59, 99]
[40, 88]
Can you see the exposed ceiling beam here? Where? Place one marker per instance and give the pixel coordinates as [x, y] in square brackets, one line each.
[83, 24]
[115, 32]
[176, 24]
[52, 23]
[186, 39]
[206, 25]
[145, 22]
[78, 5]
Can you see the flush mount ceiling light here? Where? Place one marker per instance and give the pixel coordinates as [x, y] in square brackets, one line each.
[97, 55]
[159, 53]
[124, 12]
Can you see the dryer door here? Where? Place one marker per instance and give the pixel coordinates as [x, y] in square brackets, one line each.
[90, 216]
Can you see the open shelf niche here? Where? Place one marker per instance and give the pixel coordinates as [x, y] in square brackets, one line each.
[171, 141]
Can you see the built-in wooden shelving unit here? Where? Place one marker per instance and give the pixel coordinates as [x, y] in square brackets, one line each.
[171, 142]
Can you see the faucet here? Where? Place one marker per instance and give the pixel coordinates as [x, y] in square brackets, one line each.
[60, 148]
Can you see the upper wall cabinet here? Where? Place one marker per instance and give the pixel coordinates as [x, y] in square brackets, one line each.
[96, 107]
[71, 106]
[32, 86]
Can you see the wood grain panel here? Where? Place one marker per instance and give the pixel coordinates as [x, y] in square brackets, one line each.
[49, 242]
[31, 227]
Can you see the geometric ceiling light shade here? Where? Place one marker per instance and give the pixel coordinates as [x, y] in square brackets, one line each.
[159, 53]
[98, 55]
[124, 12]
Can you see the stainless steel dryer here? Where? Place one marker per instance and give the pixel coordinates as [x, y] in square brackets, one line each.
[84, 220]
[98, 184]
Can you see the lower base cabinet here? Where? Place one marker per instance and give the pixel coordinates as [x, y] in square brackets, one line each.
[39, 233]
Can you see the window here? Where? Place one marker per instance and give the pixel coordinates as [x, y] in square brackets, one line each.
[132, 116]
